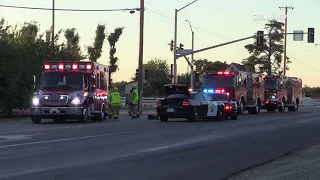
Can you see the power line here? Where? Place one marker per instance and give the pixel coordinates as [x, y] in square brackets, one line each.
[183, 22]
[290, 57]
[67, 9]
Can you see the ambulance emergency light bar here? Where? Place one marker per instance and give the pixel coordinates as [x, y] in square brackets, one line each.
[67, 66]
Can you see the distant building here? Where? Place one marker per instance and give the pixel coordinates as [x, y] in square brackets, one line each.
[129, 85]
[239, 67]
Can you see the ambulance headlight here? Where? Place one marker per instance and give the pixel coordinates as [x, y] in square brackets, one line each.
[273, 97]
[35, 101]
[76, 101]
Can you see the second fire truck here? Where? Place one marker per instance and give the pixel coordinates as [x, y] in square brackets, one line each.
[246, 88]
[71, 90]
[281, 92]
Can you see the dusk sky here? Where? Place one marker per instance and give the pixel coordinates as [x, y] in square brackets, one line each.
[214, 22]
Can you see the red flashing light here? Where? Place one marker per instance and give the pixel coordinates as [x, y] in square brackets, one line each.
[186, 103]
[227, 107]
[88, 66]
[236, 73]
[226, 73]
[170, 87]
[158, 103]
[190, 90]
[228, 94]
[220, 72]
[46, 66]
[60, 66]
[267, 102]
[74, 66]
[219, 90]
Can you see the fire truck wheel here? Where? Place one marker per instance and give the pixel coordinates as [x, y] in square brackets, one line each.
[36, 119]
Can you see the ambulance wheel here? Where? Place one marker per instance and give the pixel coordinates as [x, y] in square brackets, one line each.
[36, 119]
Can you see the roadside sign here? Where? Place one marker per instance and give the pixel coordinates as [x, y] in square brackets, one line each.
[298, 35]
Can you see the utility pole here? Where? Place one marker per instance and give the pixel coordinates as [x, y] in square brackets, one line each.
[285, 37]
[140, 77]
[175, 57]
[53, 18]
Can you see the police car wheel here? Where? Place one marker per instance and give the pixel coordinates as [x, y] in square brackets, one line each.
[36, 119]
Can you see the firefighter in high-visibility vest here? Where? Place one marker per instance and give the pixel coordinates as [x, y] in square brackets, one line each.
[135, 102]
[109, 104]
[115, 103]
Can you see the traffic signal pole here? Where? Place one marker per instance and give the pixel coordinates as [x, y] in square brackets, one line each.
[231, 42]
[174, 80]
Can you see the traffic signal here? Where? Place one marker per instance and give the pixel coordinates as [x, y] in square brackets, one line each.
[260, 38]
[181, 46]
[137, 74]
[146, 74]
[196, 77]
[171, 45]
[310, 35]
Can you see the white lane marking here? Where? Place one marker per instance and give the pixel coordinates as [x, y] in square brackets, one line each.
[69, 127]
[74, 138]
[8, 138]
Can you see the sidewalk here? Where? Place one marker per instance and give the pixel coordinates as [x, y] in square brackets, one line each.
[303, 165]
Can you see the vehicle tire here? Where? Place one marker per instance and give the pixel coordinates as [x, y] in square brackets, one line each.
[164, 119]
[84, 116]
[194, 116]
[282, 107]
[234, 117]
[36, 119]
[221, 114]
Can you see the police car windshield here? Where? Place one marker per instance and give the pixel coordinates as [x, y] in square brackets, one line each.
[270, 84]
[219, 81]
[51, 80]
[219, 97]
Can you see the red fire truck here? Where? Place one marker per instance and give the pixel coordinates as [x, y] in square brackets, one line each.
[281, 92]
[244, 87]
[71, 90]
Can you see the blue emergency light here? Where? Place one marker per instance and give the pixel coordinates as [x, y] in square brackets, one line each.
[210, 90]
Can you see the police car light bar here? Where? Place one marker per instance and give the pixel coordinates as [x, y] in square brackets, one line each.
[228, 73]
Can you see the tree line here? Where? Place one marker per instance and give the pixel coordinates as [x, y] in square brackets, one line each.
[24, 49]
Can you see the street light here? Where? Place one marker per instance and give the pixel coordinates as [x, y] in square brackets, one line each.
[175, 40]
[192, 57]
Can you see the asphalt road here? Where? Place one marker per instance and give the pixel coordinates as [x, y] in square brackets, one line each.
[137, 149]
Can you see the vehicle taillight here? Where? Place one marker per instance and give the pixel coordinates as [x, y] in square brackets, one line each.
[46, 66]
[227, 107]
[158, 103]
[186, 103]
[267, 102]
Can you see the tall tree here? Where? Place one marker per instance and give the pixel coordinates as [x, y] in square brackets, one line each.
[113, 38]
[71, 51]
[204, 65]
[158, 75]
[268, 57]
[96, 50]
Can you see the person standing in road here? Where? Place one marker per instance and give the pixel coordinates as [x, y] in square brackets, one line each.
[129, 102]
[109, 104]
[135, 101]
[115, 103]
